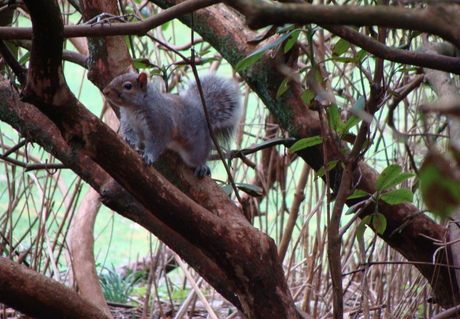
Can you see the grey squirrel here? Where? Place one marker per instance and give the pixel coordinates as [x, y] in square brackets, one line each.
[153, 121]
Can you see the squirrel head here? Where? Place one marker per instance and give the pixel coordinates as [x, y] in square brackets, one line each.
[127, 90]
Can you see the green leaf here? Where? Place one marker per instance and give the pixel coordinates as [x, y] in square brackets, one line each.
[330, 166]
[358, 193]
[257, 54]
[291, 41]
[24, 58]
[143, 63]
[340, 47]
[334, 116]
[403, 46]
[306, 142]
[307, 96]
[228, 189]
[399, 179]
[345, 127]
[249, 60]
[379, 223]
[252, 190]
[283, 87]
[397, 196]
[263, 35]
[387, 177]
[350, 210]
[362, 227]
[393, 93]
[286, 28]
[361, 55]
[440, 189]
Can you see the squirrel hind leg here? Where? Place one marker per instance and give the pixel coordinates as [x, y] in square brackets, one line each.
[202, 170]
[195, 157]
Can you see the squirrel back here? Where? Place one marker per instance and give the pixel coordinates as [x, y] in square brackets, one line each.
[152, 121]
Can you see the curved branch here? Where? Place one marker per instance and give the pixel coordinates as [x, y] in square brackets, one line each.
[447, 63]
[442, 20]
[15, 66]
[67, 55]
[82, 249]
[41, 297]
[108, 29]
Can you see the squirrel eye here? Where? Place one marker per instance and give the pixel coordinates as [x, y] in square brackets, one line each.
[128, 85]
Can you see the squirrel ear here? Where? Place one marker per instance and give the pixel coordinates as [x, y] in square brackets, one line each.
[142, 79]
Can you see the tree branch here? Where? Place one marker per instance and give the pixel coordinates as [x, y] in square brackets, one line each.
[447, 63]
[439, 19]
[40, 296]
[109, 29]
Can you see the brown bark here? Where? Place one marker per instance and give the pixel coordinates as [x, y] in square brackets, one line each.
[82, 251]
[439, 19]
[101, 29]
[40, 296]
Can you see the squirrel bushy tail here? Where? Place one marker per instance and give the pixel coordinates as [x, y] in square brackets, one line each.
[223, 102]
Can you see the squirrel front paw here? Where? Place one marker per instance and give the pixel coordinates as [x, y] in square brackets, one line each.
[202, 170]
[149, 158]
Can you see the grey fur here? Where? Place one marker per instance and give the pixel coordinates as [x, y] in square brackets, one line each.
[152, 121]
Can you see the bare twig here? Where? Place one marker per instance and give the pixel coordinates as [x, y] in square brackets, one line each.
[139, 28]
